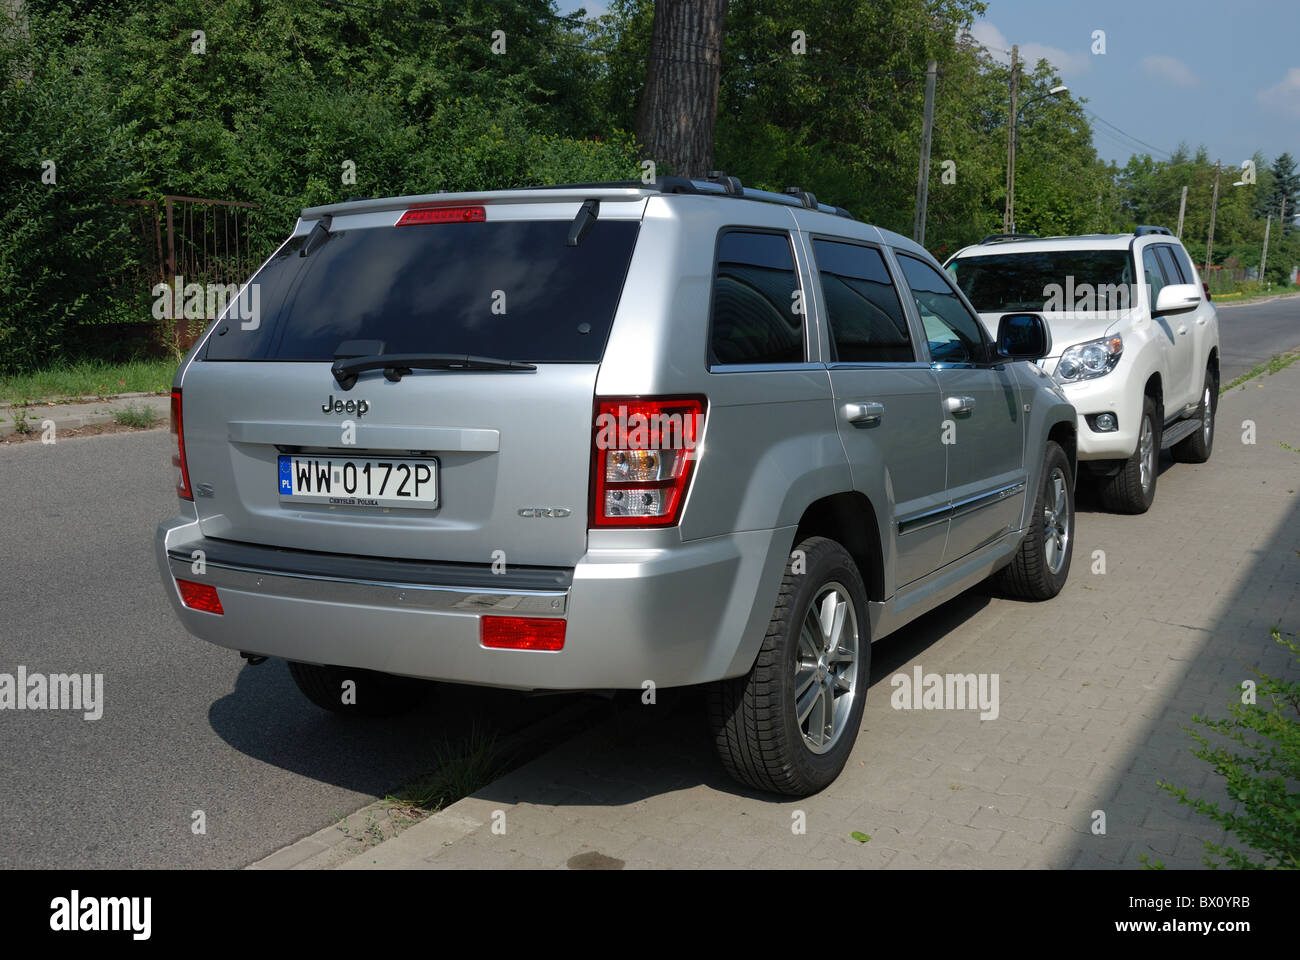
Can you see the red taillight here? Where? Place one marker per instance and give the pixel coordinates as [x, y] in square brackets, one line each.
[178, 458]
[199, 596]
[522, 633]
[1206, 287]
[442, 215]
[643, 452]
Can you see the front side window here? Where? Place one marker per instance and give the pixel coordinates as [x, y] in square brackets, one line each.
[953, 332]
[1173, 272]
[1155, 278]
[867, 324]
[758, 309]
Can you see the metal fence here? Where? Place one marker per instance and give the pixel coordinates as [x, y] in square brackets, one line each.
[185, 240]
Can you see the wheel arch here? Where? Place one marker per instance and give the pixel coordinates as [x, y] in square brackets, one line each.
[850, 519]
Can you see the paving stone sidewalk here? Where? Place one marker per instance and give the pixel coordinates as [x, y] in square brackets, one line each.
[1093, 689]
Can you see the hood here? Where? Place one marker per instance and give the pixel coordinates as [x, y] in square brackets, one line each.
[1069, 327]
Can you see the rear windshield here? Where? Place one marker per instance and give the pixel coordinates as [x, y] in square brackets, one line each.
[1029, 281]
[507, 289]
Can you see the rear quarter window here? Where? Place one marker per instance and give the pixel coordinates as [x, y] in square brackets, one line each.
[756, 316]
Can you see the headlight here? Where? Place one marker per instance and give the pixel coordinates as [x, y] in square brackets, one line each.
[1084, 361]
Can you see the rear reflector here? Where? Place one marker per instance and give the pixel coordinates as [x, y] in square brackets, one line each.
[199, 596]
[418, 215]
[522, 633]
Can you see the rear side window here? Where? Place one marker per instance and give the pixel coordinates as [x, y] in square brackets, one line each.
[867, 323]
[507, 289]
[1173, 270]
[757, 311]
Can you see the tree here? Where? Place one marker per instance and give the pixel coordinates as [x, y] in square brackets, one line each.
[680, 103]
[1284, 185]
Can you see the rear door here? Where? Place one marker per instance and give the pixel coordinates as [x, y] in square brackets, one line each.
[983, 431]
[886, 400]
[503, 456]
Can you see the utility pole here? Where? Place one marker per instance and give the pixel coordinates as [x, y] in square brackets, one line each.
[1263, 257]
[1182, 209]
[1009, 215]
[1214, 208]
[923, 176]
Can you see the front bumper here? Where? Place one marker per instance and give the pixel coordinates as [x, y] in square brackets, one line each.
[1107, 394]
[682, 614]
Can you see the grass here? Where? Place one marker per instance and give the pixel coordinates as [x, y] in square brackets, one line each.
[462, 768]
[88, 379]
[136, 415]
[1271, 366]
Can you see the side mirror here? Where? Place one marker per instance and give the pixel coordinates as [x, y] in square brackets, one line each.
[1177, 298]
[1023, 336]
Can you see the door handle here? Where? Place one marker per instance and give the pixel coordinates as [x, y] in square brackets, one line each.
[961, 404]
[868, 414]
[1182, 331]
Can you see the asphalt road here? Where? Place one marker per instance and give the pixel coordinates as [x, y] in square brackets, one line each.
[1251, 333]
[187, 726]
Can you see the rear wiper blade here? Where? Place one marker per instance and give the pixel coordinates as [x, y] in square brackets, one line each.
[397, 365]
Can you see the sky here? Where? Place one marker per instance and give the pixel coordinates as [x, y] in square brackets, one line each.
[1222, 75]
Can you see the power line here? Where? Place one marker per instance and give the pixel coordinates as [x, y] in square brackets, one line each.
[1168, 154]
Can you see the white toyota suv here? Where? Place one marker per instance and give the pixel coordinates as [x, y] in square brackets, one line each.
[1135, 343]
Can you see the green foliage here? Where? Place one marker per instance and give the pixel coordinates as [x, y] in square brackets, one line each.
[285, 92]
[1257, 754]
[136, 415]
[64, 246]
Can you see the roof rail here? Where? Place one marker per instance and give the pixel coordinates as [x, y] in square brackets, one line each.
[717, 184]
[1143, 229]
[1000, 237]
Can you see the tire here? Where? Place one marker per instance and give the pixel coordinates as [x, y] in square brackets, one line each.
[1198, 447]
[1133, 488]
[759, 738]
[376, 694]
[1041, 565]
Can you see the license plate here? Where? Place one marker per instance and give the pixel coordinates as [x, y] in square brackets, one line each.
[359, 482]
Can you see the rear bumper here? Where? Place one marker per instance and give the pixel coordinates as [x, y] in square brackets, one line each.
[691, 613]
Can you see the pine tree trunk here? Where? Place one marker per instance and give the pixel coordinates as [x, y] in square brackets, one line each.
[680, 103]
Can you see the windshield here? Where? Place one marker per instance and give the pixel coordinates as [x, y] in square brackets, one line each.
[1052, 280]
[501, 288]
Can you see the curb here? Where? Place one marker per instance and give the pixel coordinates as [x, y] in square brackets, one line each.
[90, 414]
[61, 401]
[332, 847]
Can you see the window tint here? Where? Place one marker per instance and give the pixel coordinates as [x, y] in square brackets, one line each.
[1184, 261]
[866, 318]
[1173, 272]
[754, 304]
[954, 333]
[507, 288]
[1155, 278]
[1047, 280]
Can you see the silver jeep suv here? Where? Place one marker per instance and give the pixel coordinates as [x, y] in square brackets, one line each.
[610, 436]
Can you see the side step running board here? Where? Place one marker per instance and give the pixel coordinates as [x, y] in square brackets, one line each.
[1179, 431]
